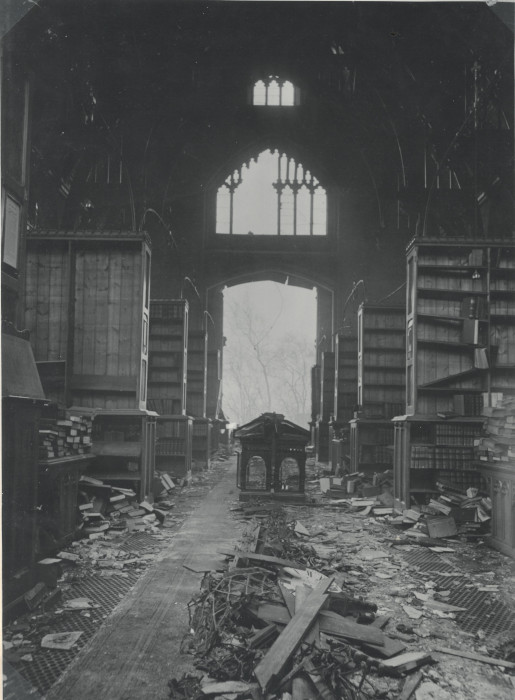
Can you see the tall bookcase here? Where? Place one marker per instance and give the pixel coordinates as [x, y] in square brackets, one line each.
[461, 324]
[345, 378]
[168, 366]
[326, 406]
[168, 347]
[87, 299]
[197, 373]
[460, 349]
[381, 385]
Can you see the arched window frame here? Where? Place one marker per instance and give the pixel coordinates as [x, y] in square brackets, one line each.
[273, 91]
[291, 177]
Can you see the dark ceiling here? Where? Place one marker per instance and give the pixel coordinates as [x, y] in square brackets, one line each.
[165, 87]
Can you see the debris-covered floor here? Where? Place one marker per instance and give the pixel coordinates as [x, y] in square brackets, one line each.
[245, 600]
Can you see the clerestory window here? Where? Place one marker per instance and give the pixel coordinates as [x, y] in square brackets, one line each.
[272, 195]
[273, 92]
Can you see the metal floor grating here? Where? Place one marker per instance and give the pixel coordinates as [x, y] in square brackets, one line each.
[428, 561]
[49, 664]
[483, 612]
[138, 541]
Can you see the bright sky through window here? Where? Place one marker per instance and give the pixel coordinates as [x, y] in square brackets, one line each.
[273, 92]
[273, 195]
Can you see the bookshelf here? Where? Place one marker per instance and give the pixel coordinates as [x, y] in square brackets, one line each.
[124, 444]
[174, 435]
[460, 338]
[196, 394]
[345, 378]
[168, 346]
[429, 449]
[380, 385]
[371, 445]
[327, 377]
[201, 451]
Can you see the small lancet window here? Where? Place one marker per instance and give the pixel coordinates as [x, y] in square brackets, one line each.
[274, 92]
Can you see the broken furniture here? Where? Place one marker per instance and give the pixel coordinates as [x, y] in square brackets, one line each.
[272, 458]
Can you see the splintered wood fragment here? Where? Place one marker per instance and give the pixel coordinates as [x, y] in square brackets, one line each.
[410, 685]
[302, 689]
[285, 645]
[381, 621]
[265, 558]
[264, 636]
[392, 647]
[254, 539]
[288, 597]
[475, 657]
[301, 594]
[406, 662]
[330, 623]
[323, 689]
[338, 626]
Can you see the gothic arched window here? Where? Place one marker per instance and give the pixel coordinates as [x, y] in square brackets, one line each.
[272, 195]
[273, 92]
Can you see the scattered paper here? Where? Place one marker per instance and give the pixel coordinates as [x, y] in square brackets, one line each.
[60, 640]
[411, 612]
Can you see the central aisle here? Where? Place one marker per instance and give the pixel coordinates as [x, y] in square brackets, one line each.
[136, 652]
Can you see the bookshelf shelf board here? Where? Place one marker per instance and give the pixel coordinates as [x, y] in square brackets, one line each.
[503, 317]
[445, 319]
[510, 293]
[448, 344]
[383, 330]
[117, 476]
[436, 383]
[450, 390]
[452, 268]
[446, 293]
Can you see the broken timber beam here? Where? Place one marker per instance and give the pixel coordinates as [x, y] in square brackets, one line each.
[265, 558]
[475, 657]
[285, 645]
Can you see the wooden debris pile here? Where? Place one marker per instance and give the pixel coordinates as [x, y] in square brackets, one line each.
[104, 507]
[280, 623]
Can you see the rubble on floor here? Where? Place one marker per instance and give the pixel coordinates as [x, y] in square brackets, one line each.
[337, 602]
[81, 584]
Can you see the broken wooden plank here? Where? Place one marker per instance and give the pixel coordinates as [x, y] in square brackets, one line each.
[288, 597]
[285, 645]
[265, 558]
[392, 647]
[338, 626]
[330, 623]
[406, 662]
[410, 685]
[475, 657]
[324, 692]
[301, 594]
[264, 636]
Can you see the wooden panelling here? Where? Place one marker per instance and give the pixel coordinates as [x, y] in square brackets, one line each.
[85, 305]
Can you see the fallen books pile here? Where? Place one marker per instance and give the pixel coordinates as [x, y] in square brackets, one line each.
[499, 443]
[64, 435]
[453, 512]
[105, 507]
[272, 626]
